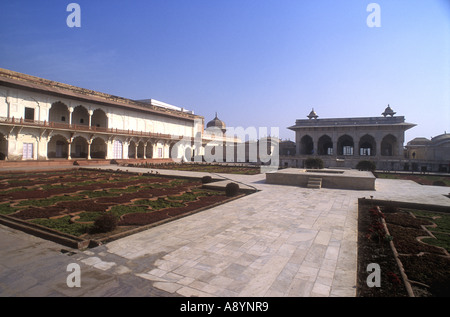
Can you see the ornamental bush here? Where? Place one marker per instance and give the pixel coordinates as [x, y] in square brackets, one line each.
[366, 166]
[206, 179]
[105, 223]
[231, 189]
[314, 163]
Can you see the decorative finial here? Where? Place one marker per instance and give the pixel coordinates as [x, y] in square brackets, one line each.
[388, 112]
[312, 114]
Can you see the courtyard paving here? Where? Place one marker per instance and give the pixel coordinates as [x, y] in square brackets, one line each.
[282, 241]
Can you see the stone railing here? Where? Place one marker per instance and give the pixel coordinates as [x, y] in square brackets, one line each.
[85, 128]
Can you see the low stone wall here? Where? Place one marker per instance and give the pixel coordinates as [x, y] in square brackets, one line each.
[345, 179]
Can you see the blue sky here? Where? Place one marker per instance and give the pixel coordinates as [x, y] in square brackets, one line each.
[258, 63]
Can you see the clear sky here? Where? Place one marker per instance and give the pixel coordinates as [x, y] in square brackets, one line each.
[258, 63]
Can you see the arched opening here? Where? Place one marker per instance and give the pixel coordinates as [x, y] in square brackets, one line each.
[188, 153]
[80, 116]
[140, 150]
[389, 145]
[306, 145]
[132, 150]
[79, 148]
[59, 112]
[57, 147]
[98, 148]
[3, 147]
[325, 145]
[149, 150]
[345, 145]
[99, 119]
[174, 151]
[367, 145]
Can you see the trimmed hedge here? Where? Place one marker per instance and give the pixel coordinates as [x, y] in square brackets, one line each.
[316, 163]
[366, 166]
[231, 189]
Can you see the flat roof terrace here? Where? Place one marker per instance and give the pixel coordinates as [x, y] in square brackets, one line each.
[329, 178]
[345, 122]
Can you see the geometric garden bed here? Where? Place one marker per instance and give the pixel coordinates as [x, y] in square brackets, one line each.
[411, 245]
[66, 206]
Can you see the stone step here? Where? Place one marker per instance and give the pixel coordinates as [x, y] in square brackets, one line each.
[314, 182]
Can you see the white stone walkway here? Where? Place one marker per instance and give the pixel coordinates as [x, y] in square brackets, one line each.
[280, 241]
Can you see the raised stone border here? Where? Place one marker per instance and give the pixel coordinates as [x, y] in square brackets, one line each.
[394, 203]
[331, 178]
[45, 233]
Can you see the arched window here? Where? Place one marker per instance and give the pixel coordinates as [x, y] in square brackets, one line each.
[367, 146]
[345, 145]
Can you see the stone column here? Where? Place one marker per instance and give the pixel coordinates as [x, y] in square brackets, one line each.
[90, 112]
[69, 150]
[315, 140]
[70, 115]
[400, 140]
[334, 141]
[89, 149]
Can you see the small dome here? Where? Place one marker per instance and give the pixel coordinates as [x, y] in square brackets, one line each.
[216, 123]
[312, 114]
[440, 138]
[388, 112]
[419, 141]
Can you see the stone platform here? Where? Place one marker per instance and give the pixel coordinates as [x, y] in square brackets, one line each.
[330, 178]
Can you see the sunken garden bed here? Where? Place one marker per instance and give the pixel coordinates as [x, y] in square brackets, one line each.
[244, 169]
[411, 245]
[84, 208]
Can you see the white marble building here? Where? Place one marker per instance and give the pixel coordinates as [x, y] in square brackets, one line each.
[42, 119]
[343, 142]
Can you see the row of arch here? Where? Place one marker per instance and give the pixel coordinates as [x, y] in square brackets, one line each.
[346, 146]
[60, 113]
[97, 148]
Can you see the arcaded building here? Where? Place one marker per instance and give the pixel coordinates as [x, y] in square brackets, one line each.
[42, 119]
[429, 154]
[343, 142]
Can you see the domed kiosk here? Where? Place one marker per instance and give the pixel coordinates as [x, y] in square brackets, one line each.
[217, 123]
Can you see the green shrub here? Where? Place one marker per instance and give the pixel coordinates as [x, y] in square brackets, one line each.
[231, 189]
[105, 223]
[316, 163]
[366, 166]
[206, 179]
